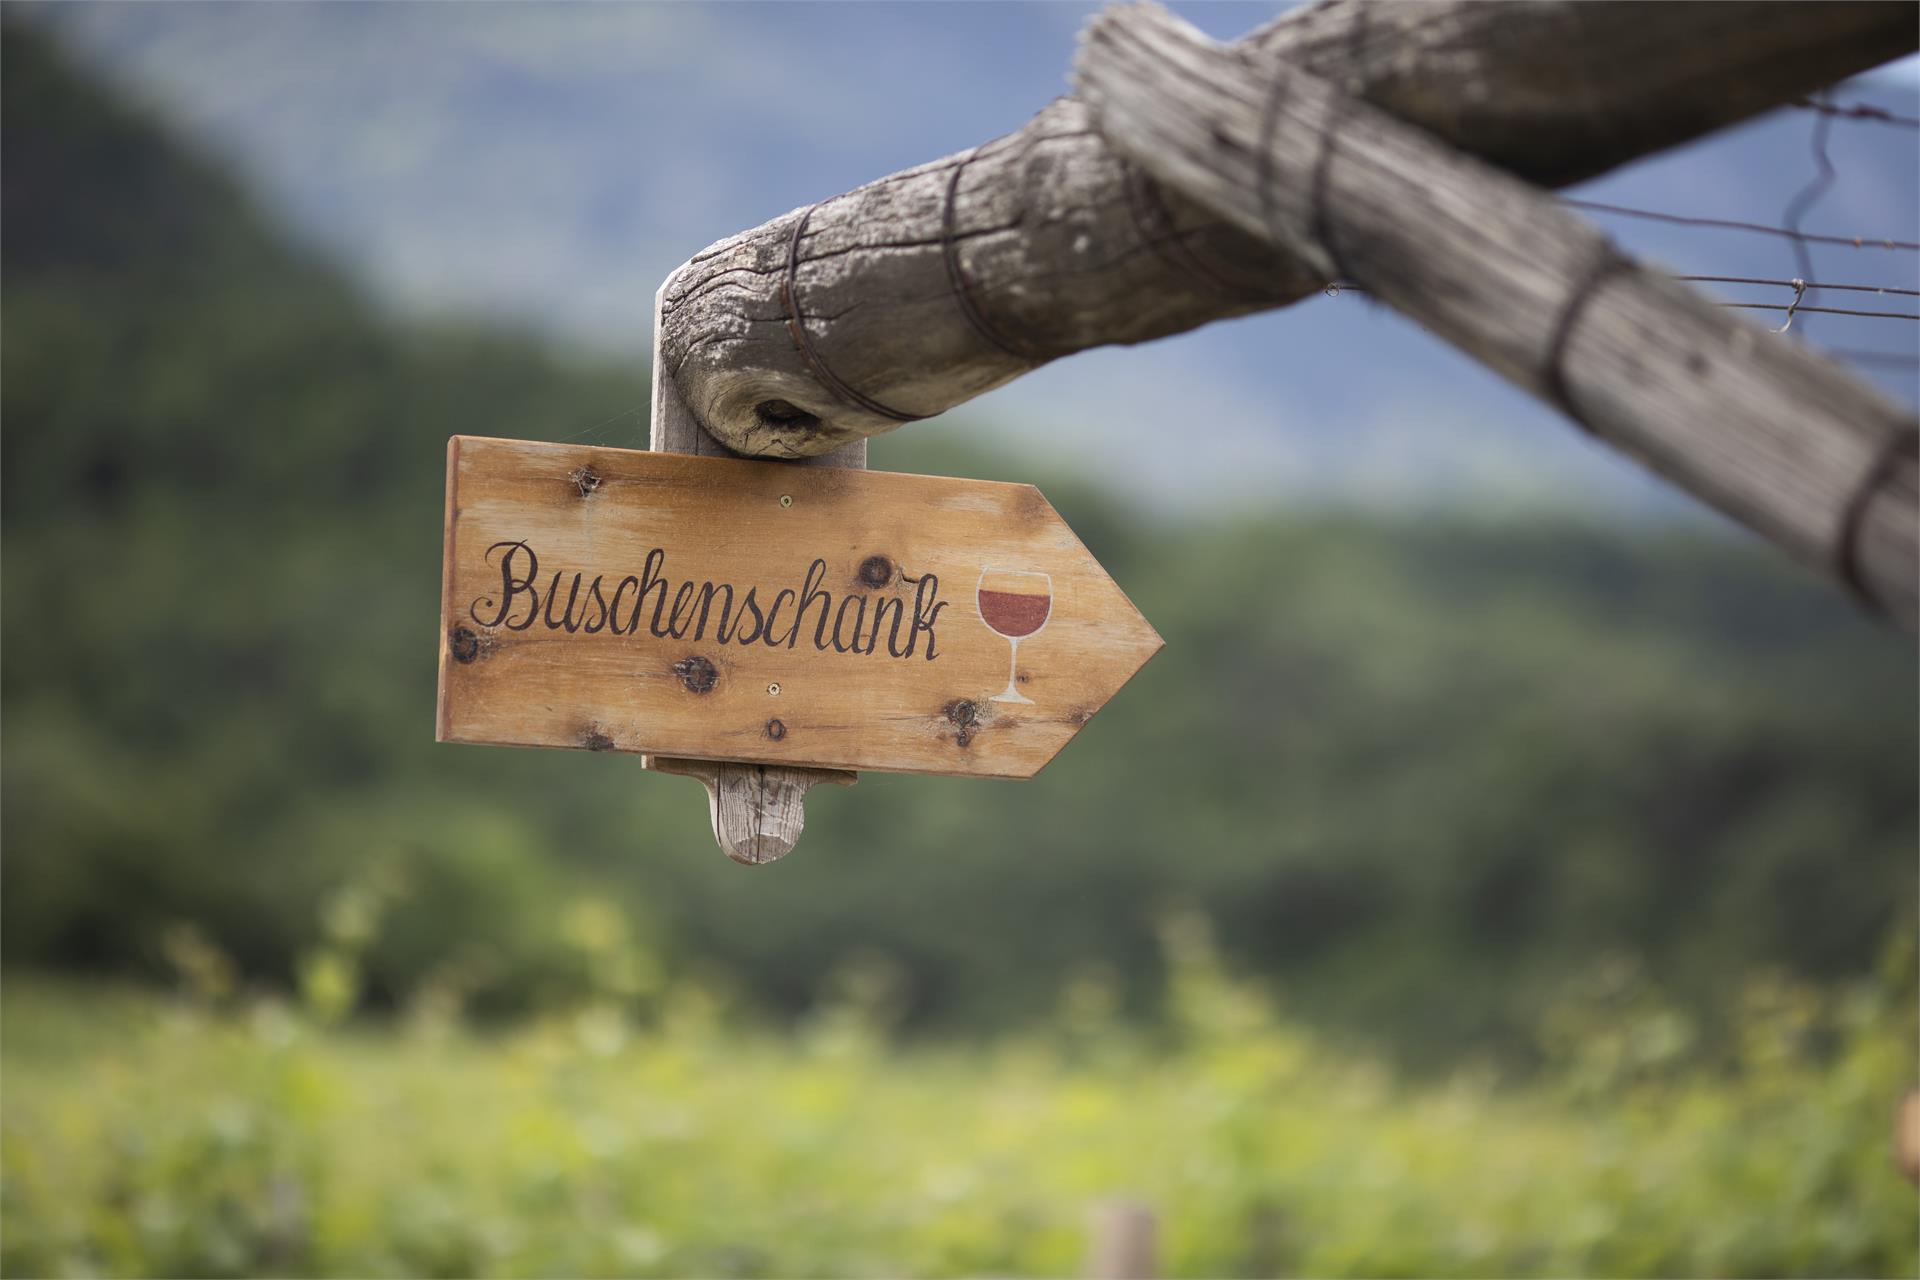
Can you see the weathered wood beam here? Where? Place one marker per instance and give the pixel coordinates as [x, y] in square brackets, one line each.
[921, 290]
[1782, 440]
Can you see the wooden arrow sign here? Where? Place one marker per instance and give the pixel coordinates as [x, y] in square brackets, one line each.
[727, 610]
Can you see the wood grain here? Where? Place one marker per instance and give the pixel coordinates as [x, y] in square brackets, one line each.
[758, 811]
[1782, 440]
[874, 653]
[930, 286]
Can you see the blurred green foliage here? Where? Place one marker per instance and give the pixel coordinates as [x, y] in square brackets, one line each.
[650, 1135]
[1425, 772]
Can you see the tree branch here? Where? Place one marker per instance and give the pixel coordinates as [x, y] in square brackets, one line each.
[1782, 440]
[948, 280]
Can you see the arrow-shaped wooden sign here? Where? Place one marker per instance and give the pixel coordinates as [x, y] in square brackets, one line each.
[716, 609]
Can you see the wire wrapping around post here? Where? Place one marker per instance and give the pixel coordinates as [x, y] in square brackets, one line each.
[790, 293]
[1153, 220]
[1263, 179]
[1610, 262]
[1012, 345]
[1853, 518]
[1319, 229]
[1319, 219]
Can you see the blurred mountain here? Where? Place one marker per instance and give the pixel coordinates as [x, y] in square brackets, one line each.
[221, 478]
[1420, 770]
[549, 164]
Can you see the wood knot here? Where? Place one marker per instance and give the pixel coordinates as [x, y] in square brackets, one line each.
[964, 716]
[696, 673]
[463, 644]
[586, 479]
[784, 415]
[876, 571]
[776, 730]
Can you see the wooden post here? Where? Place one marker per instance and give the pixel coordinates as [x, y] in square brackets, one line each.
[920, 291]
[1123, 1242]
[1906, 1137]
[1782, 440]
[757, 810]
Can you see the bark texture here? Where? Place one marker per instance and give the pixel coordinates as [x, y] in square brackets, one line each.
[1784, 441]
[921, 290]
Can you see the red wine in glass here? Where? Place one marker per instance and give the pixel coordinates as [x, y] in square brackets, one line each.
[1014, 603]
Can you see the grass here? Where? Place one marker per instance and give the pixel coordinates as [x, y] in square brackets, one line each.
[144, 1134]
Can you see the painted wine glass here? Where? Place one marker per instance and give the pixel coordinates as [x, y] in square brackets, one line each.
[1014, 603]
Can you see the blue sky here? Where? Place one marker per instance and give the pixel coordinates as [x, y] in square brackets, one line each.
[547, 164]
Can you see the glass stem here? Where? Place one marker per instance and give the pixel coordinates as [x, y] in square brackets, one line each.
[1013, 664]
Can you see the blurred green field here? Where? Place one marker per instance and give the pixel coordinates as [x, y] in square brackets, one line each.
[660, 1136]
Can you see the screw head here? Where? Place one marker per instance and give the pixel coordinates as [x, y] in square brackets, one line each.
[774, 688]
[786, 499]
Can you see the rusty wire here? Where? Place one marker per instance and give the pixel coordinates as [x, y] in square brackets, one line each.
[1809, 284]
[1804, 199]
[1856, 111]
[1799, 309]
[1339, 287]
[1730, 224]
